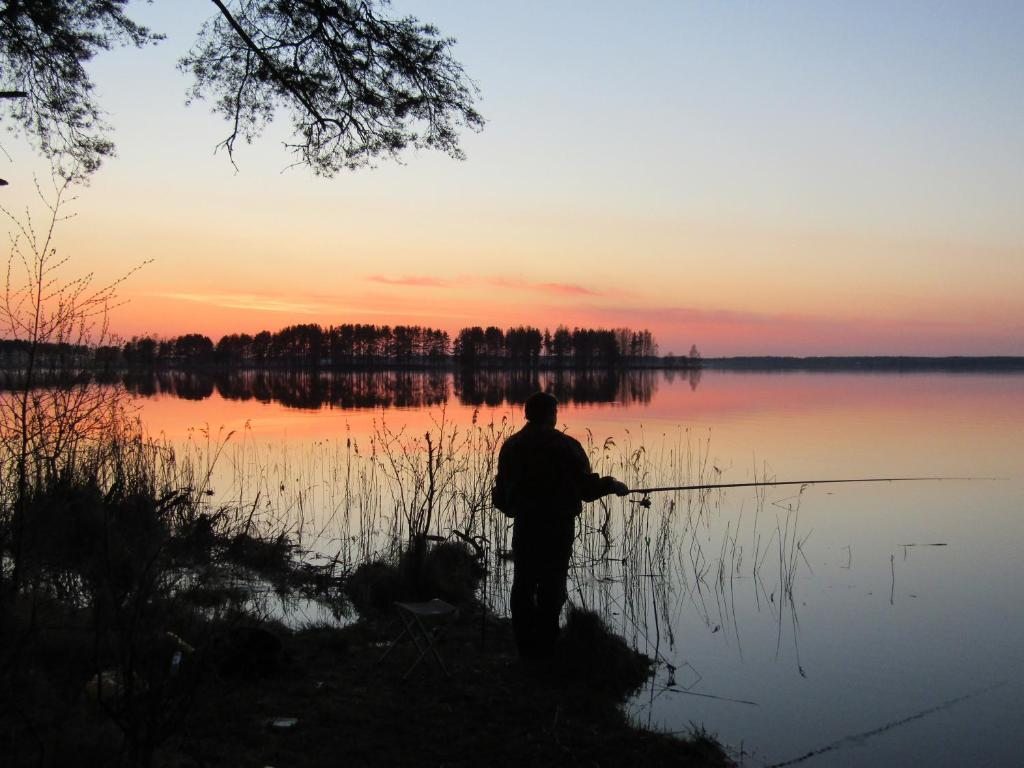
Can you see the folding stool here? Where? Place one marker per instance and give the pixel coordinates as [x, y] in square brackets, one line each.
[425, 623]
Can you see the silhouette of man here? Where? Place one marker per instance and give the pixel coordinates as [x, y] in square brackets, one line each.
[543, 477]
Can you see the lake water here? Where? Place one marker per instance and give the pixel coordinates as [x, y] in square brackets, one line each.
[865, 624]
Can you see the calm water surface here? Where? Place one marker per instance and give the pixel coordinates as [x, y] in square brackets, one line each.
[838, 625]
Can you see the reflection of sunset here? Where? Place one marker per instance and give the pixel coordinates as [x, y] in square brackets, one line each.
[838, 422]
[177, 419]
[947, 424]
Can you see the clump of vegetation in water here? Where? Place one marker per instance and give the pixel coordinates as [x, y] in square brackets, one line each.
[447, 570]
[122, 597]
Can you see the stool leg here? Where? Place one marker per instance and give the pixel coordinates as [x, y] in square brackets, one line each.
[405, 631]
[421, 641]
[420, 634]
[437, 656]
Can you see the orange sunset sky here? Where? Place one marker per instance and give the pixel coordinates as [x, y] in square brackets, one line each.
[792, 179]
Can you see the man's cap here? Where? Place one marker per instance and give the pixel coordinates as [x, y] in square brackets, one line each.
[540, 406]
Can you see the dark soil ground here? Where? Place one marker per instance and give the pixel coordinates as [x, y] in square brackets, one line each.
[352, 710]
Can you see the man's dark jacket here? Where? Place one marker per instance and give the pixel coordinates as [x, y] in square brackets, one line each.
[543, 477]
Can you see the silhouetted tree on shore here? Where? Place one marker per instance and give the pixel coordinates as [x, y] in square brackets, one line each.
[528, 346]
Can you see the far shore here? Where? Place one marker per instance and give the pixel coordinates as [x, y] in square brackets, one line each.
[893, 363]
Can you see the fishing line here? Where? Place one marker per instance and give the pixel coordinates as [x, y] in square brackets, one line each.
[857, 737]
[672, 689]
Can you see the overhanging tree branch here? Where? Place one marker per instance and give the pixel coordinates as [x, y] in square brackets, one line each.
[44, 47]
[356, 85]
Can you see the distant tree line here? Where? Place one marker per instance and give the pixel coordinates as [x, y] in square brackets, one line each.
[360, 345]
[889, 363]
[305, 346]
[12, 349]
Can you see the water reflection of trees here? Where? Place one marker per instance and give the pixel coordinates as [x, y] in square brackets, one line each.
[399, 389]
[300, 389]
[692, 376]
[587, 386]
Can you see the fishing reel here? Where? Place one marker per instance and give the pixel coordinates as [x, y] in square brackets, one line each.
[644, 501]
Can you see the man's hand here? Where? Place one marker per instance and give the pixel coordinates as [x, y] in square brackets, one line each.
[619, 488]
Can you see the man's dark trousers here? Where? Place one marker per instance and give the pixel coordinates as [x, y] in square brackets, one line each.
[538, 587]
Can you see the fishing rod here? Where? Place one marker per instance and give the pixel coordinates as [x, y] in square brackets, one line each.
[765, 483]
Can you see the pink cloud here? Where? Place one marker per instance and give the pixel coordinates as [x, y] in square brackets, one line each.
[247, 301]
[427, 281]
[560, 289]
[416, 281]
